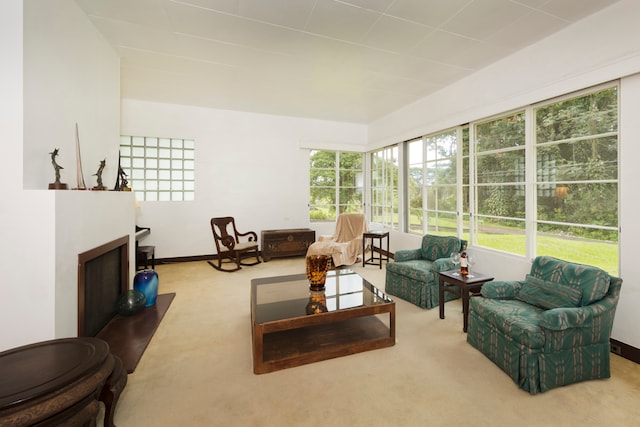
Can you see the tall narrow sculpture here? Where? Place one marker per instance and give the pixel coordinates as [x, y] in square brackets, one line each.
[121, 181]
[80, 177]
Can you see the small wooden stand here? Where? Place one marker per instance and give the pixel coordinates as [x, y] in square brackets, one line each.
[58, 186]
[463, 286]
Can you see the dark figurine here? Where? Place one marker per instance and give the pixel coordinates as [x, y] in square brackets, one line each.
[122, 184]
[100, 186]
[56, 166]
[56, 185]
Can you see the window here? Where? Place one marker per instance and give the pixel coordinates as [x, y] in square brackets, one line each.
[433, 177]
[384, 187]
[159, 169]
[542, 180]
[499, 183]
[576, 147]
[336, 183]
[415, 186]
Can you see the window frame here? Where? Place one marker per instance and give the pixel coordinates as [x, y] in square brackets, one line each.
[385, 210]
[338, 186]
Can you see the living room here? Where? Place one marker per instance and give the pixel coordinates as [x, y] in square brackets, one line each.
[60, 71]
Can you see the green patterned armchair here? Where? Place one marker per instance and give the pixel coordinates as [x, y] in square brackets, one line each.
[413, 274]
[550, 329]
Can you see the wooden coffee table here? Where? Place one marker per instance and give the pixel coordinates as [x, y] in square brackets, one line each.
[349, 317]
[453, 282]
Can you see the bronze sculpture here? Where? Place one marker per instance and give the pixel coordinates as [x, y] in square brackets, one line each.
[57, 185]
[98, 174]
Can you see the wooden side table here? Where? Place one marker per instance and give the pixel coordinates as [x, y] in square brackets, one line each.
[59, 382]
[373, 260]
[453, 282]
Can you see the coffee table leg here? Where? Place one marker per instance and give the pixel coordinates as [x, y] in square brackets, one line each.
[441, 296]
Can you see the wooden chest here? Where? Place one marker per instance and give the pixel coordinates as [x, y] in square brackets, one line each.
[288, 242]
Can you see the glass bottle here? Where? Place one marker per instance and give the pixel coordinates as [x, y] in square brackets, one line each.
[464, 262]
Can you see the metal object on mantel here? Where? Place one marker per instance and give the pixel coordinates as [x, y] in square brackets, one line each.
[57, 185]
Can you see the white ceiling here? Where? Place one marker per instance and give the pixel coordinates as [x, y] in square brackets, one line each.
[345, 60]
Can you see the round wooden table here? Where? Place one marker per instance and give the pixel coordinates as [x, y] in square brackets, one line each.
[59, 382]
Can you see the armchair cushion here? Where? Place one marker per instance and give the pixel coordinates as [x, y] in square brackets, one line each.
[593, 281]
[548, 295]
[407, 255]
[501, 289]
[436, 247]
[417, 269]
[517, 319]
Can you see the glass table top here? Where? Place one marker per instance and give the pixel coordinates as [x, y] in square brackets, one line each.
[284, 297]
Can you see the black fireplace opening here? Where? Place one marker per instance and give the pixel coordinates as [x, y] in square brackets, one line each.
[103, 275]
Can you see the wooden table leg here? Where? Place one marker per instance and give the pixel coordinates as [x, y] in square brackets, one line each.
[465, 307]
[111, 391]
[441, 296]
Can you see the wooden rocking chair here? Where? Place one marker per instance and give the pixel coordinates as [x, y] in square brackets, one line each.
[227, 239]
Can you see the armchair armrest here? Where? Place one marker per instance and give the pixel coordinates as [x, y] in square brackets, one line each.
[599, 314]
[501, 289]
[560, 319]
[407, 255]
[564, 327]
[253, 237]
[442, 264]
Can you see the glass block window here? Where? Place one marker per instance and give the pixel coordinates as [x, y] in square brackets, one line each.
[159, 169]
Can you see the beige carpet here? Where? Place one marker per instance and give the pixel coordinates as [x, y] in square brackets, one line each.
[197, 371]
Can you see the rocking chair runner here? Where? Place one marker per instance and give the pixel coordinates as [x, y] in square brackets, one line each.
[227, 239]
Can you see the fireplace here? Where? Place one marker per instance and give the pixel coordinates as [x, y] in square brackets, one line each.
[103, 274]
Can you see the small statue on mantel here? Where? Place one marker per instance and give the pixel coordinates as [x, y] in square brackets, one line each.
[121, 181]
[123, 184]
[56, 185]
[98, 174]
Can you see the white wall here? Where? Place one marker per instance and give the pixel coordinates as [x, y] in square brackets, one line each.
[63, 72]
[250, 166]
[27, 228]
[628, 316]
[72, 76]
[598, 49]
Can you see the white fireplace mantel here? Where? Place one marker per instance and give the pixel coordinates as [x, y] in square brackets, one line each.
[83, 221]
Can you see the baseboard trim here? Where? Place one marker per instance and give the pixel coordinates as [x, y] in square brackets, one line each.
[625, 350]
[186, 259]
[215, 256]
[208, 257]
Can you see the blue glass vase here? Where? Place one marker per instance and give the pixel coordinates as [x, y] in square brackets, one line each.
[146, 281]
